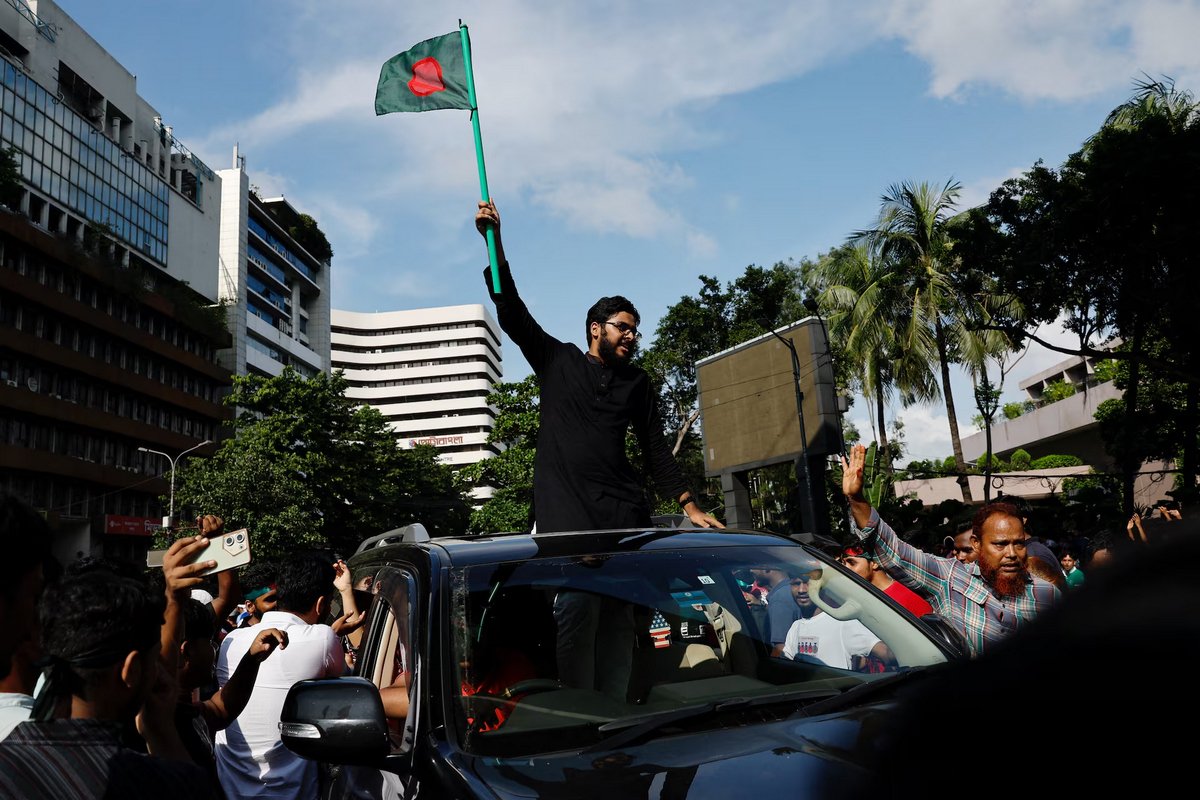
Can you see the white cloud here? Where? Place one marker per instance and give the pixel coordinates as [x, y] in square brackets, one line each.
[1046, 49]
[392, 288]
[926, 431]
[583, 100]
[587, 108]
[977, 192]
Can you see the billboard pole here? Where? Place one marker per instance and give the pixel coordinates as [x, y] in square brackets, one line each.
[810, 508]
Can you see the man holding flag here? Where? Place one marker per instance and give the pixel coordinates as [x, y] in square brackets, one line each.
[582, 479]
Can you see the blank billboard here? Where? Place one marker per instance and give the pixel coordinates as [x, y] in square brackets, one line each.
[748, 400]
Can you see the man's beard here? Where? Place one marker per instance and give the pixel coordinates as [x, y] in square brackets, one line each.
[608, 352]
[1005, 584]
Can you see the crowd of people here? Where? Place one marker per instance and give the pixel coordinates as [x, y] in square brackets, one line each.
[115, 682]
[120, 681]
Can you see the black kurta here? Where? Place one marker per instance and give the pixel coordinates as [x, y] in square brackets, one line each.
[582, 479]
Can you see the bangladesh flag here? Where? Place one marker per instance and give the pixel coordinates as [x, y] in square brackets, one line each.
[429, 76]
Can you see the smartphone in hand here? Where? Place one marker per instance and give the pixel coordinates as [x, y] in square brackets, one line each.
[230, 549]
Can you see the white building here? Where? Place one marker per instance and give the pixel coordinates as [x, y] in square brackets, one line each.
[427, 370]
[1066, 426]
[94, 154]
[277, 290]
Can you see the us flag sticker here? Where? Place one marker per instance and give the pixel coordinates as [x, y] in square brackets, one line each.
[660, 630]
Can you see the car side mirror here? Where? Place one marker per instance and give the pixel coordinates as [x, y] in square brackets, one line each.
[947, 633]
[335, 720]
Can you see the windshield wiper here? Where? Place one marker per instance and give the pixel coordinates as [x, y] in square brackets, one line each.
[630, 729]
[862, 692]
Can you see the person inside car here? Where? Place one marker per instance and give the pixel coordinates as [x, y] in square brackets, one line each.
[817, 636]
[863, 564]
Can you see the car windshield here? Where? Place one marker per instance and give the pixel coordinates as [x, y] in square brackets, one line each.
[555, 653]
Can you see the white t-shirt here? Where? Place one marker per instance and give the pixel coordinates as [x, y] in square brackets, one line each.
[15, 708]
[251, 759]
[832, 641]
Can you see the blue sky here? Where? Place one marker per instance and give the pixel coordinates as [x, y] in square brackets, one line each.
[632, 146]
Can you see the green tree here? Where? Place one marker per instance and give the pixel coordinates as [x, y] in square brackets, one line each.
[862, 295]
[1106, 243]
[1159, 428]
[938, 319]
[10, 178]
[510, 473]
[1057, 390]
[307, 466]
[309, 235]
[1013, 410]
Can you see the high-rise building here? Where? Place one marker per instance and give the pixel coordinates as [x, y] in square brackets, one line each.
[109, 326]
[274, 276]
[429, 371]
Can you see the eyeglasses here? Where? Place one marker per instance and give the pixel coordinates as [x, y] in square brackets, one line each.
[854, 551]
[808, 577]
[625, 328]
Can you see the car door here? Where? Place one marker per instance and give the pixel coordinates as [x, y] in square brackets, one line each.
[388, 657]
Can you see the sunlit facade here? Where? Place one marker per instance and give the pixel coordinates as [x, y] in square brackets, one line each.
[429, 371]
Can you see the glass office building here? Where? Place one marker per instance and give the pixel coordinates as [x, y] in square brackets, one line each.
[68, 159]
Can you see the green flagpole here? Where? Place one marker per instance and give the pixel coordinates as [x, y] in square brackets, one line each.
[483, 187]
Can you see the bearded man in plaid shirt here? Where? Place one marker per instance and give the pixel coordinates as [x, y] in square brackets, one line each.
[986, 600]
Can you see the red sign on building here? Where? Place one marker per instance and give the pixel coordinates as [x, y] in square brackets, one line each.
[130, 526]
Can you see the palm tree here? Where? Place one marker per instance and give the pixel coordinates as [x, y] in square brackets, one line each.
[862, 298]
[910, 236]
[1155, 101]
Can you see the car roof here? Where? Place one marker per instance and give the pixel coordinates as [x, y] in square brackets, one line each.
[469, 550]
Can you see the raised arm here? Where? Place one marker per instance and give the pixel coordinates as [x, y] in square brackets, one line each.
[511, 312]
[852, 486]
[352, 616]
[224, 706]
[925, 570]
[179, 578]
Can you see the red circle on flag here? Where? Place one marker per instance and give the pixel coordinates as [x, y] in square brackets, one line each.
[427, 77]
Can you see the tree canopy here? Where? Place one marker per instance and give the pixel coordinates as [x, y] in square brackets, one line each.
[509, 473]
[1105, 244]
[306, 466]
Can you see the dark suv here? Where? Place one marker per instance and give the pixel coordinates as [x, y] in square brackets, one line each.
[601, 664]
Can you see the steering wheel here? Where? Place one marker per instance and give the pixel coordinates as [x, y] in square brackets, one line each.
[527, 686]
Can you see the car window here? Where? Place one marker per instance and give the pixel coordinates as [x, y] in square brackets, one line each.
[547, 651]
[386, 657]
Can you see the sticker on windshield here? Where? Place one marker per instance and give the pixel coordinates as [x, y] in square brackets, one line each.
[706, 580]
[660, 630]
[695, 600]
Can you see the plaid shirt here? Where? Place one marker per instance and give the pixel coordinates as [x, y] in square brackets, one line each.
[83, 759]
[957, 591]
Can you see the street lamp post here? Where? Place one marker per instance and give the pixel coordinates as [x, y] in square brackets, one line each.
[170, 520]
[814, 308]
[810, 515]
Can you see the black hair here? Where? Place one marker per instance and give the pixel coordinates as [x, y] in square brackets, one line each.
[121, 567]
[26, 539]
[258, 574]
[93, 619]
[199, 624]
[603, 309]
[303, 579]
